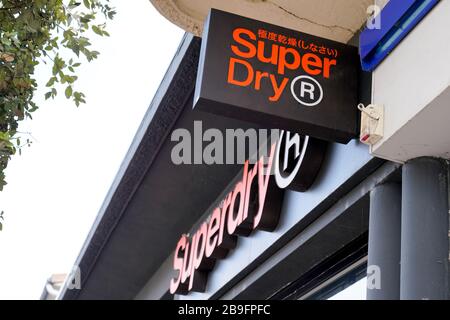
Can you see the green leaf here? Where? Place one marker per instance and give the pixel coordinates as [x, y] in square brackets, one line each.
[97, 30]
[51, 82]
[33, 108]
[68, 92]
[27, 38]
[6, 41]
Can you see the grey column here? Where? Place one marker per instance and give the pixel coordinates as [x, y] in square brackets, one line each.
[384, 243]
[425, 225]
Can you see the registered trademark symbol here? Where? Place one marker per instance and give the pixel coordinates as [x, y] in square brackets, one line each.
[307, 91]
[287, 163]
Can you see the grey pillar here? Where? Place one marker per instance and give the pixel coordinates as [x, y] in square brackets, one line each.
[383, 281]
[425, 225]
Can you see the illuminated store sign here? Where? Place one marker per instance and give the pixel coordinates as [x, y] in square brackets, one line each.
[278, 77]
[252, 203]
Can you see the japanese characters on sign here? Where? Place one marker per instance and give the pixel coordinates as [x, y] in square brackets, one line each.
[297, 43]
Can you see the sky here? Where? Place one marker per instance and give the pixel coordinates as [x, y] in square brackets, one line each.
[356, 291]
[56, 187]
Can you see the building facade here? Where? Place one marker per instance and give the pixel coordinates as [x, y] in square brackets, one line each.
[379, 211]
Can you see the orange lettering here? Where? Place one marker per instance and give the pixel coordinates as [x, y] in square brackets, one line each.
[251, 47]
[258, 77]
[273, 55]
[278, 90]
[282, 63]
[231, 70]
[327, 63]
[311, 60]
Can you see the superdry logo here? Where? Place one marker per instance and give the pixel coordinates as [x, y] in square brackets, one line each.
[247, 48]
[252, 203]
[278, 78]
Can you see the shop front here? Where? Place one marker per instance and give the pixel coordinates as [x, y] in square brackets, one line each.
[247, 180]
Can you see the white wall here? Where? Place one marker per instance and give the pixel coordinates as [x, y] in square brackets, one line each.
[413, 84]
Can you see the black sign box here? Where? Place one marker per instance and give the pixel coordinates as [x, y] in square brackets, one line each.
[278, 78]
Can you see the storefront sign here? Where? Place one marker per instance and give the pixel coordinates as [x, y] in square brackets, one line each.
[278, 77]
[253, 203]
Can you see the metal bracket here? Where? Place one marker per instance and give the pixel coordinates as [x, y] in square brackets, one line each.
[372, 123]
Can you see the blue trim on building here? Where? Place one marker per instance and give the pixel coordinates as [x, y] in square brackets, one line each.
[398, 18]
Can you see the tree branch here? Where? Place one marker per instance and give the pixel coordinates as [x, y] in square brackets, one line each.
[13, 8]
